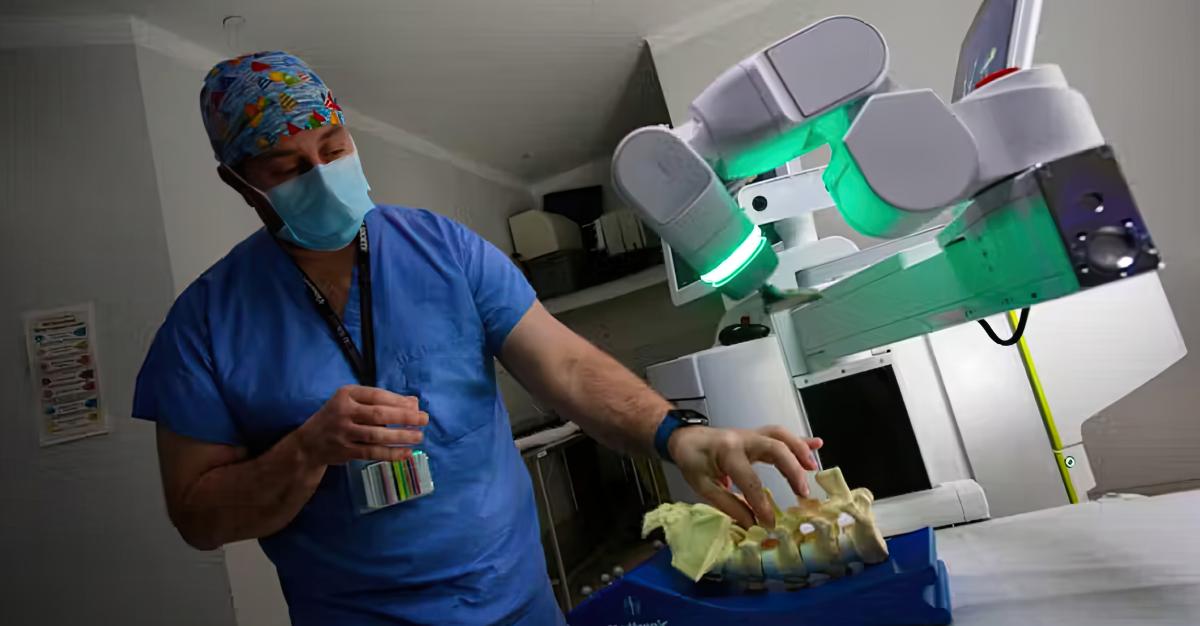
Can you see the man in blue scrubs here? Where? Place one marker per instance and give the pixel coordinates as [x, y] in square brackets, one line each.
[346, 331]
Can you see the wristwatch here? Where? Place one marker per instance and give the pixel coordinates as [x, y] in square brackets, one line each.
[674, 420]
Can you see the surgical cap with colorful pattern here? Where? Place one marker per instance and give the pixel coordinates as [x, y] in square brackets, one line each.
[252, 102]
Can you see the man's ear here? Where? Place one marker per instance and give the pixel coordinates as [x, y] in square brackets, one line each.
[253, 197]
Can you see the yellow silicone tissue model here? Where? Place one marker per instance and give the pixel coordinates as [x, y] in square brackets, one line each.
[812, 542]
[702, 533]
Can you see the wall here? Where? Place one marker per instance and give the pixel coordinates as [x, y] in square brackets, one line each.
[85, 535]
[1149, 440]
[200, 214]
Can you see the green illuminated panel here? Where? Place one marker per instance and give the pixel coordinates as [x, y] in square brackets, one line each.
[857, 202]
[831, 126]
[1013, 258]
[770, 155]
[737, 260]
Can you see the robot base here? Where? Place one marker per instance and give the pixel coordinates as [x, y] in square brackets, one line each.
[911, 587]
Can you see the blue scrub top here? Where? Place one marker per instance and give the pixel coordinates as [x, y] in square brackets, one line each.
[243, 359]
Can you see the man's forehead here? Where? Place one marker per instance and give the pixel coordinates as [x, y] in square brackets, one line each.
[293, 144]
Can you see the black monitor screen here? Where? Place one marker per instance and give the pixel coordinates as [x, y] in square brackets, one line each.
[867, 432]
[986, 46]
[581, 205]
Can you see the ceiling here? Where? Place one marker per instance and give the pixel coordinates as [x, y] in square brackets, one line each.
[528, 87]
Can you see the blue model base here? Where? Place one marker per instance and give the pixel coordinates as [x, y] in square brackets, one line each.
[911, 587]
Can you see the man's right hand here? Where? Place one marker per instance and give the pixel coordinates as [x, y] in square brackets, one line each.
[354, 424]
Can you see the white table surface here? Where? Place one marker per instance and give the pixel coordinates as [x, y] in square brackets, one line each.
[1115, 561]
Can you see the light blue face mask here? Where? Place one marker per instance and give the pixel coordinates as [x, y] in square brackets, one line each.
[322, 208]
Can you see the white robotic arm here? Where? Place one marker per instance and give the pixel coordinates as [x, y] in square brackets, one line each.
[1020, 157]
[755, 116]
[899, 156]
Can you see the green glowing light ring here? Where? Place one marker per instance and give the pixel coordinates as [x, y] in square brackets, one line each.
[741, 256]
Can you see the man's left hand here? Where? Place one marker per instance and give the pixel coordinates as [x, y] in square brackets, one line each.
[711, 459]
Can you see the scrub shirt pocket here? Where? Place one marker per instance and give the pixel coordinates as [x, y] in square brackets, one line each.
[455, 388]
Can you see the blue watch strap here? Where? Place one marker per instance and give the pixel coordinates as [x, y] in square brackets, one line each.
[671, 422]
[666, 427]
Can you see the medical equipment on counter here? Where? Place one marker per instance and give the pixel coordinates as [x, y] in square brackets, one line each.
[1037, 209]
[810, 543]
[1068, 565]
[1042, 208]
[746, 576]
[747, 385]
[537, 233]
[911, 588]
[621, 231]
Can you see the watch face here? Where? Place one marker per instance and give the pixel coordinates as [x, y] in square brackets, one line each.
[690, 417]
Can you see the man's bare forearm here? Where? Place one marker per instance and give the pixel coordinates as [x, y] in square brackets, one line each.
[247, 499]
[607, 400]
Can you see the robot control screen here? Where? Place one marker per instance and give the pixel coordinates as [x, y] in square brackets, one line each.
[986, 46]
[868, 431]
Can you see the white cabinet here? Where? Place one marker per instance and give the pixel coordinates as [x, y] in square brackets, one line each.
[740, 386]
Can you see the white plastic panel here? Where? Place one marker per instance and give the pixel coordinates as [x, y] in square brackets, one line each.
[929, 410]
[675, 193]
[829, 62]
[676, 379]
[658, 174]
[781, 324]
[787, 196]
[973, 500]
[998, 419]
[797, 259]
[747, 386]
[734, 112]
[914, 153]
[944, 505]
[1095, 347]
[1029, 117]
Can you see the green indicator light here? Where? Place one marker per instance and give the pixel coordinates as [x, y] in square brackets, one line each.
[782, 149]
[738, 260]
[858, 203]
[829, 128]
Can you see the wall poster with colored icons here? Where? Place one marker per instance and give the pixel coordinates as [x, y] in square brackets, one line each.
[61, 344]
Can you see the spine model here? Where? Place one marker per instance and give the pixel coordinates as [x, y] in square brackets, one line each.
[810, 544]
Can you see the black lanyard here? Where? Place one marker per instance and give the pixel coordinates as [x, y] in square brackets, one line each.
[363, 363]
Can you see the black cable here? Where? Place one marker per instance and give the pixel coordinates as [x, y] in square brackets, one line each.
[1018, 332]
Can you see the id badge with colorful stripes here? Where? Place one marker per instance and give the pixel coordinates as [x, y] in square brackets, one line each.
[379, 484]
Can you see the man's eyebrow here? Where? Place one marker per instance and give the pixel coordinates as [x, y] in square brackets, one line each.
[334, 132]
[275, 153]
[285, 149]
